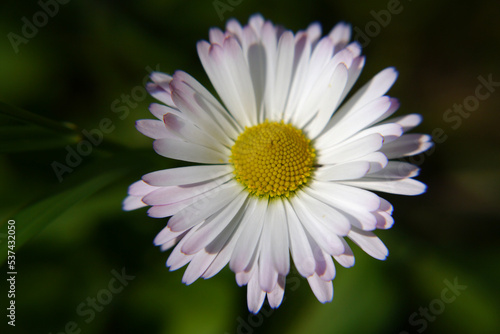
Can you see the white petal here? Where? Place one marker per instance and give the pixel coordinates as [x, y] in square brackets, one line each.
[181, 150]
[248, 241]
[159, 110]
[249, 38]
[318, 85]
[323, 290]
[169, 244]
[216, 35]
[341, 194]
[234, 28]
[166, 210]
[186, 175]
[219, 63]
[207, 257]
[212, 202]
[356, 214]
[390, 132]
[353, 74]
[240, 74]
[165, 235]
[153, 129]
[345, 171]
[330, 101]
[340, 34]
[360, 218]
[376, 87]
[370, 243]
[177, 259]
[329, 273]
[132, 203]
[243, 277]
[346, 259]
[386, 206]
[352, 150]
[268, 273]
[407, 122]
[210, 105]
[275, 297]
[161, 79]
[313, 32]
[384, 220]
[255, 295]
[407, 145]
[140, 189]
[159, 88]
[261, 59]
[321, 54]
[299, 244]
[408, 187]
[185, 130]
[279, 238]
[256, 22]
[284, 68]
[213, 226]
[197, 266]
[194, 106]
[301, 59]
[396, 170]
[325, 238]
[325, 214]
[376, 160]
[173, 194]
[324, 266]
[227, 250]
[393, 108]
[355, 122]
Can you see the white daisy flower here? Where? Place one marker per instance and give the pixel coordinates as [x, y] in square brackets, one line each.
[284, 165]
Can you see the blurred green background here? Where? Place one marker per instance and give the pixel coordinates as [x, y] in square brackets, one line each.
[73, 238]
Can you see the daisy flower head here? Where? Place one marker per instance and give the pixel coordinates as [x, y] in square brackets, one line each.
[284, 164]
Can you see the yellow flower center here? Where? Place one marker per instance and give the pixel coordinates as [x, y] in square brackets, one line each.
[272, 159]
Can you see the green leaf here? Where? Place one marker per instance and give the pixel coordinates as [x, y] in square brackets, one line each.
[34, 218]
[23, 131]
[23, 138]
[32, 118]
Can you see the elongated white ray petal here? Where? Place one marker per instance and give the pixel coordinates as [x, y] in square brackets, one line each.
[275, 297]
[299, 244]
[370, 243]
[154, 129]
[197, 212]
[213, 226]
[352, 150]
[326, 239]
[247, 243]
[407, 145]
[323, 290]
[354, 122]
[173, 194]
[255, 295]
[408, 187]
[181, 150]
[345, 171]
[132, 202]
[186, 175]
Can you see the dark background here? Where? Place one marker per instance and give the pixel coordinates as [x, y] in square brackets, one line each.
[73, 238]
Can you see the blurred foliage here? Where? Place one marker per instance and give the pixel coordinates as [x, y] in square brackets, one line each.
[76, 70]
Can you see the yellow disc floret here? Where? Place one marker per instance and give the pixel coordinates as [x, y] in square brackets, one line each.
[272, 159]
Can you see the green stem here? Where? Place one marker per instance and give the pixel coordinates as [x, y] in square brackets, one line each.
[27, 116]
